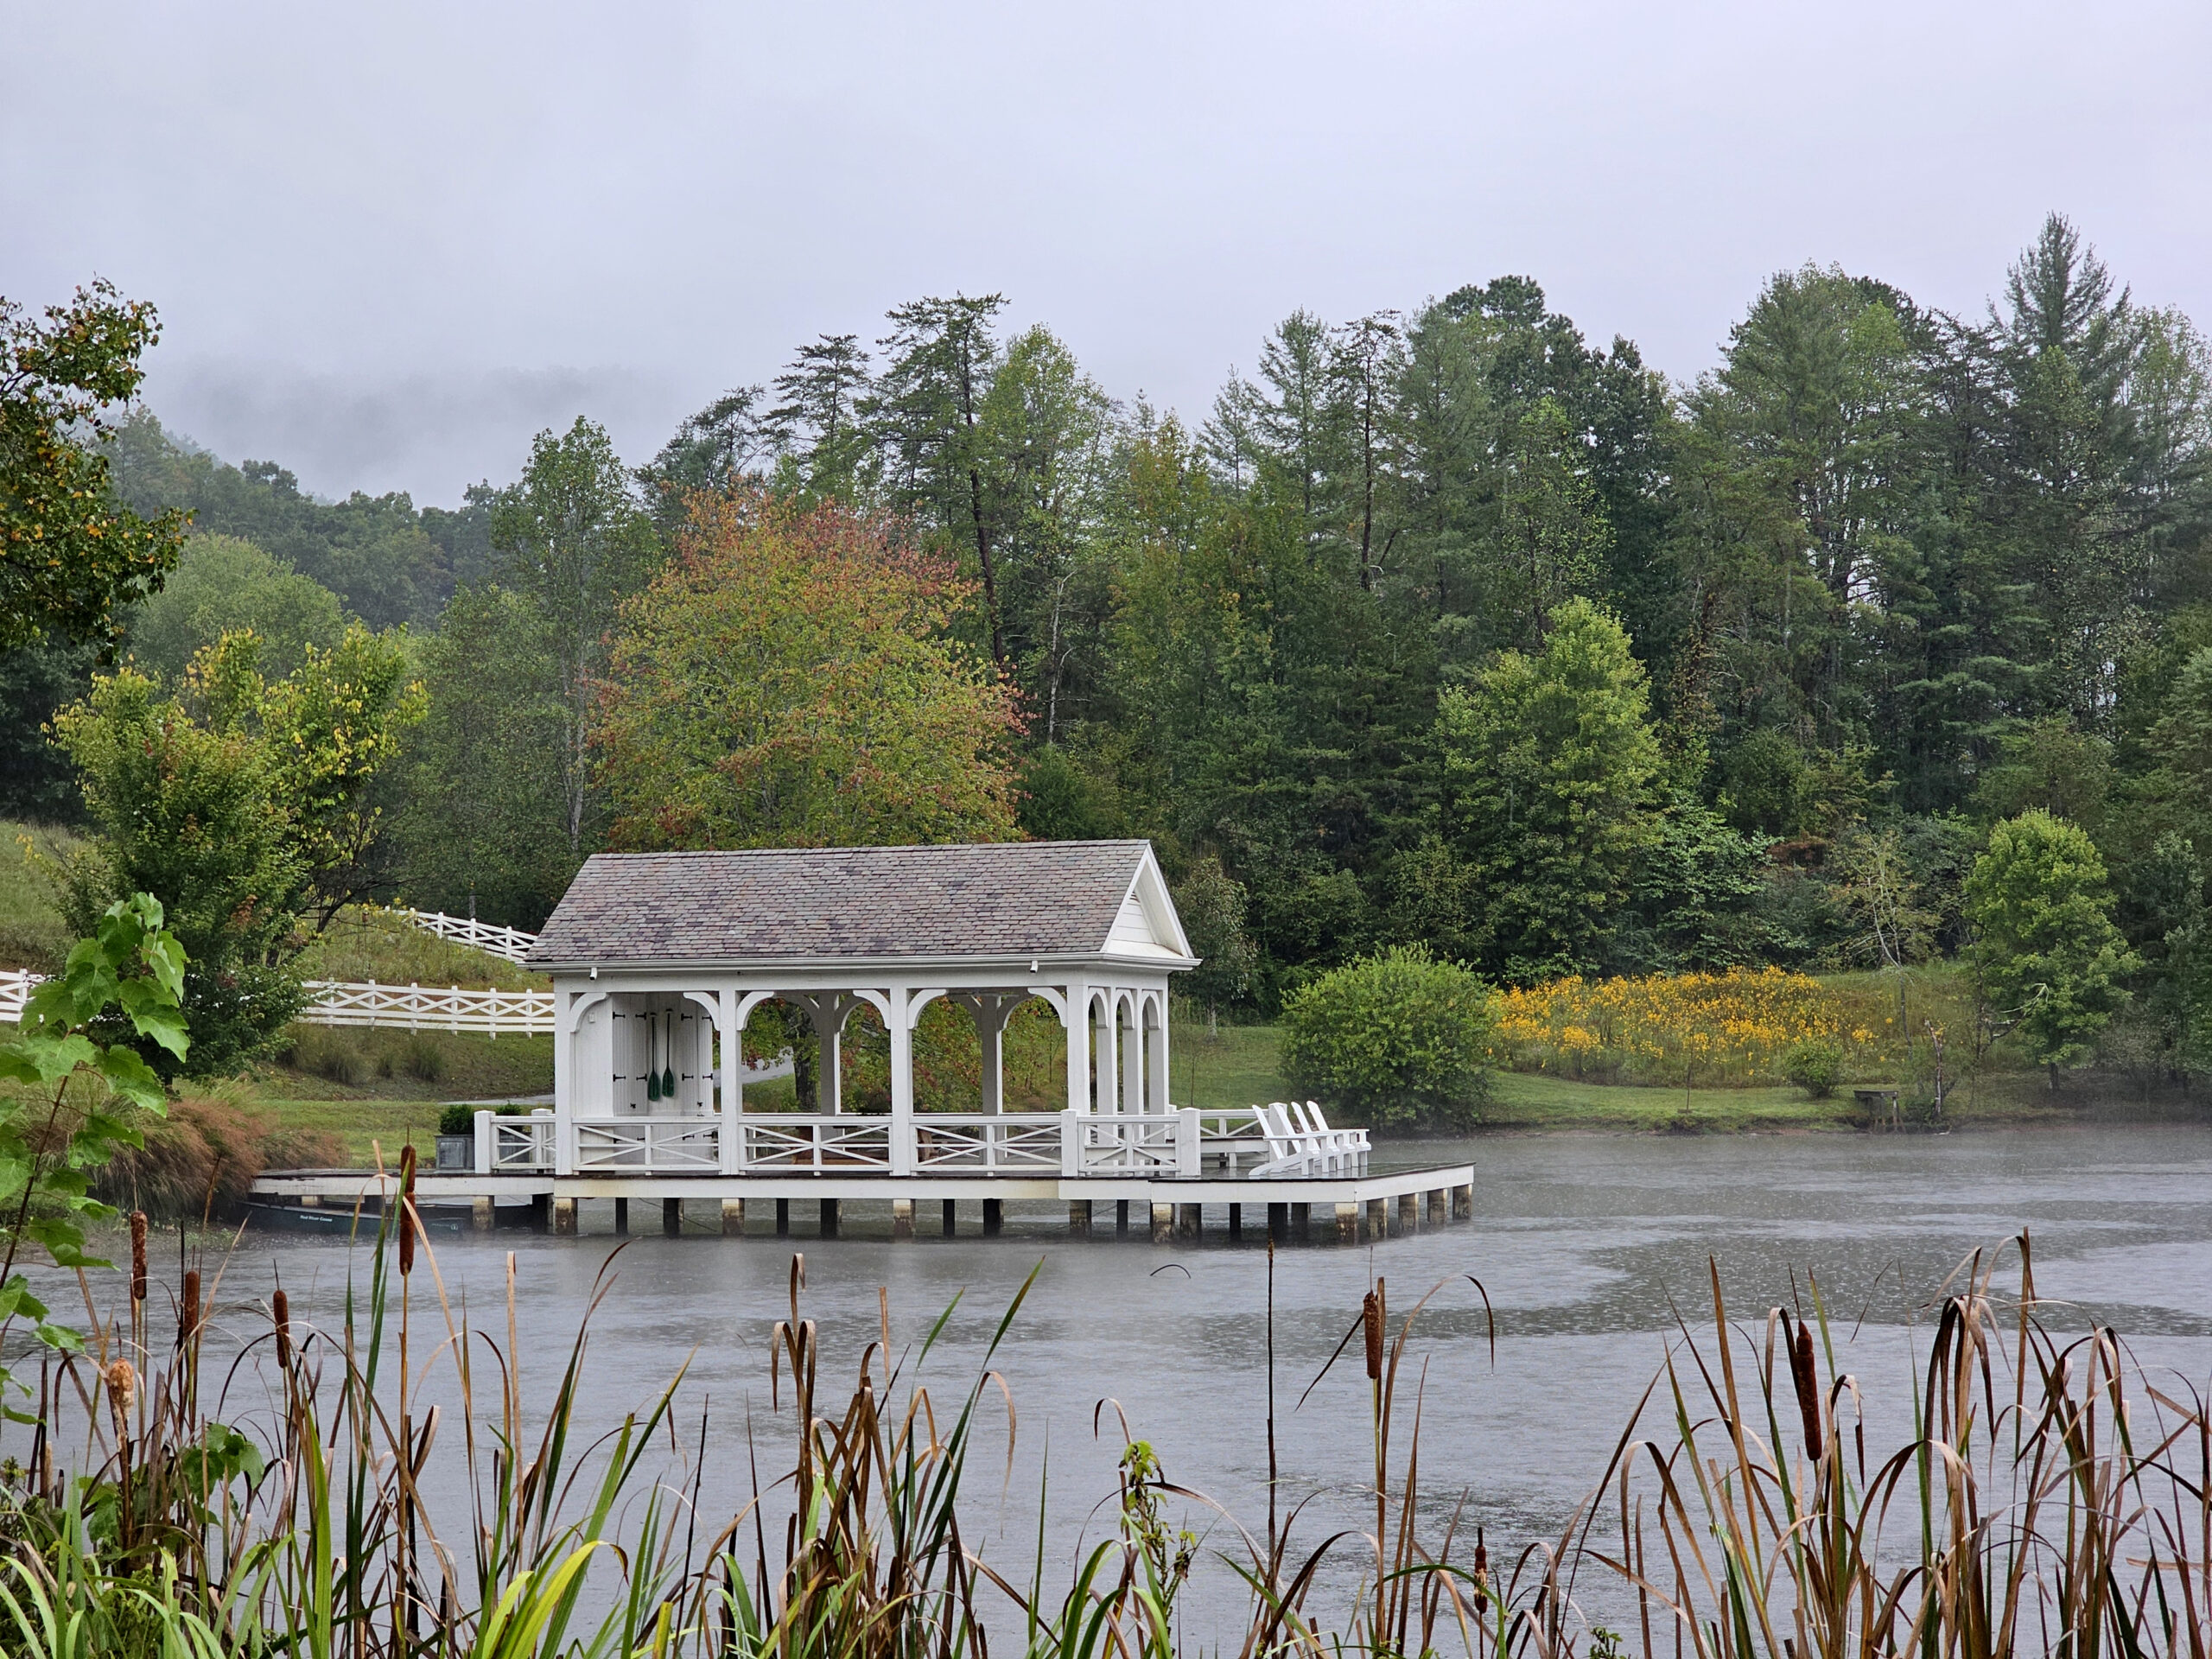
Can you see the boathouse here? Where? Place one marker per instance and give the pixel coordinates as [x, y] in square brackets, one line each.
[660, 961]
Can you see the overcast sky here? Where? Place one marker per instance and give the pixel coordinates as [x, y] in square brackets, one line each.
[390, 241]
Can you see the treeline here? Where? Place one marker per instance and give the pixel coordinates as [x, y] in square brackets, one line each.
[1445, 625]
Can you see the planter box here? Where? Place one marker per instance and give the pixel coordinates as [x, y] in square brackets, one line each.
[457, 1152]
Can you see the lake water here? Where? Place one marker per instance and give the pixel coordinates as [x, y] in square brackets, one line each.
[1588, 1246]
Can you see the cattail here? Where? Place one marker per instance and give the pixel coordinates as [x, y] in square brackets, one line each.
[1371, 1317]
[1807, 1379]
[122, 1386]
[280, 1308]
[407, 1209]
[137, 1256]
[1482, 1570]
[188, 1312]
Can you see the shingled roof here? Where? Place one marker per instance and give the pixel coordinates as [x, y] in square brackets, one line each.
[775, 905]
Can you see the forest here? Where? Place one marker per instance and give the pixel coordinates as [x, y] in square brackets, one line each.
[1445, 627]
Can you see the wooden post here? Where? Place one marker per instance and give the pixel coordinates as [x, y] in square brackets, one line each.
[1378, 1217]
[541, 1213]
[1190, 1220]
[783, 1217]
[902, 1217]
[951, 1217]
[1435, 1196]
[1163, 1223]
[829, 1218]
[994, 1217]
[1078, 1214]
[1278, 1222]
[621, 1217]
[480, 1214]
[733, 1217]
[1120, 1218]
[1408, 1211]
[564, 1217]
[1348, 1224]
[672, 1217]
[1301, 1220]
[1236, 1221]
[1463, 1202]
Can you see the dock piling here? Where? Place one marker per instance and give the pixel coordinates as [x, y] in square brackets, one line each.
[1301, 1221]
[564, 1217]
[1078, 1214]
[480, 1214]
[1190, 1220]
[783, 1217]
[1163, 1223]
[1435, 1197]
[733, 1217]
[994, 1217]
[1348, 1224]
[621, 1217]
[1120, 1218]
[829, 1218]
[1378, 1217]
[1235, 1221]
[1408, 1211]
[672, 1217]
[1279, 1222]
[951, 1219]
[902, 1217]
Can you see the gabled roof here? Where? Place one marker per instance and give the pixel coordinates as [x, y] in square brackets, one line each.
[1000, 901]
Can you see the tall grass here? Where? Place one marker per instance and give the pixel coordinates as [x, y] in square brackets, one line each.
[2044, 1500]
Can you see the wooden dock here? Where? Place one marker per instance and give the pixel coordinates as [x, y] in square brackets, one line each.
[1347, 1206]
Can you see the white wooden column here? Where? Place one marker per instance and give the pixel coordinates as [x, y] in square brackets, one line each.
[1155, 1054]
[1133, 1098]
[991, 1010]
[1075, 1014]
[1107, 1025]
[565, 1085]
[729, 1144]
[902, 1006]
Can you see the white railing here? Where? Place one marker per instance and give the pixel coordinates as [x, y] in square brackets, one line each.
[968, 1143]
[15, 990]
[510, 944]
[818, 1141]
[1147, 1144]
[416, 1007]
[520, 1144]
[683, 1146]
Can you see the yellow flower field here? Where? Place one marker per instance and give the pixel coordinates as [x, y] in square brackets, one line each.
[1716, 1029]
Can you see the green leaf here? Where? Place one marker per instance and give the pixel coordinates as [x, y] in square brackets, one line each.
[63, 1240]
[129, 1075]
[165, 1026]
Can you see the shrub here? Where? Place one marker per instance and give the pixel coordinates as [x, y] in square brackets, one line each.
[1399, 1039]
[1815, 1065]
[423, 1058]
[457, 1119]
[204, 1156]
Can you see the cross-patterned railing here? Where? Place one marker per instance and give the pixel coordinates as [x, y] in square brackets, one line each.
[511, 943]
[661, 1145]
[816, 1141]
[979, 1143]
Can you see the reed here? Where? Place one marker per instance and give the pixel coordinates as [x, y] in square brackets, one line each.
[2045, 1500]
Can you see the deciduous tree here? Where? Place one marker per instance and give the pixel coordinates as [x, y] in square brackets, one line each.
[791, 680]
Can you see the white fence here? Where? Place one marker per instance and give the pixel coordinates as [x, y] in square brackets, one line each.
[416, 1007]
[511, 943]
[1176, 1145]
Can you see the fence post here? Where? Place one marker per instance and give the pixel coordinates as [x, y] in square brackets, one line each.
[484, 1144]
[1187, 1144]
[1071, 1142]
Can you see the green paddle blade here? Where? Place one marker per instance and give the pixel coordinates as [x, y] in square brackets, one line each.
[652, 1085]
[668, 1084]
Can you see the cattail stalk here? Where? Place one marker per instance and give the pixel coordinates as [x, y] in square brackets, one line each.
[280, 1308]
[137, 1256]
